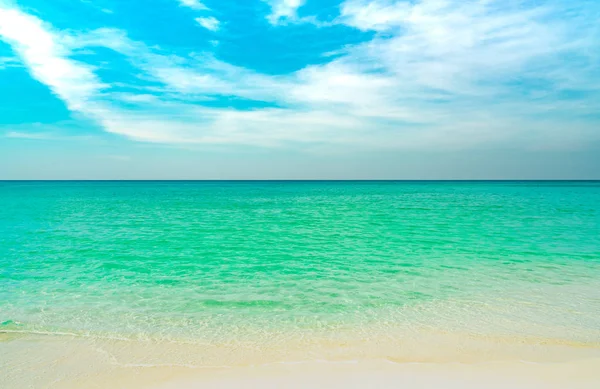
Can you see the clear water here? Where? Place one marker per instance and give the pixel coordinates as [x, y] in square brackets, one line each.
[223, 261]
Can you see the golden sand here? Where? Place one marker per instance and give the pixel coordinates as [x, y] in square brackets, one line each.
[425, 360]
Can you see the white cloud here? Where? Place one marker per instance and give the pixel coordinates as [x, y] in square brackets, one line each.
[442, 75]
[54, 135]
[464, 49]
[8, 62]
[210, 23]
[374, 15]
[193, 4]
[28, 135]
[40, 50]
[283, 10]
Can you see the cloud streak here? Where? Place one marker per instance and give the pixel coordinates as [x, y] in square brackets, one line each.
[193, 4]
[28, 135]
[39, 48]
[210, 23]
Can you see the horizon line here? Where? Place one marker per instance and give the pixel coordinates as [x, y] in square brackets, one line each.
[307, 180]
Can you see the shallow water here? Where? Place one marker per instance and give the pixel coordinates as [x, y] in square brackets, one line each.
[273, 263]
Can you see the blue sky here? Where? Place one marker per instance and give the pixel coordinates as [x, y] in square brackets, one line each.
[285, 89]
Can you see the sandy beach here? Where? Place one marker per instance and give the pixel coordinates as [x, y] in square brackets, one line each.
[64, 362]
[501, 375]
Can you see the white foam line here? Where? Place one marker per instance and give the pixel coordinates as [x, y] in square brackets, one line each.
[96, 336]
[72, 334]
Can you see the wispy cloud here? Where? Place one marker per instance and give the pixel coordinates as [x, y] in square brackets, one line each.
[46, 136]
[210, 23]
[7, 62]
[282, 10]
[47, 59]
[437, 73]
[28, 135]
[193, 4]
[375, 15]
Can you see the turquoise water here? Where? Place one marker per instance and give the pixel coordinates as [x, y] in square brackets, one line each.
[221, 261]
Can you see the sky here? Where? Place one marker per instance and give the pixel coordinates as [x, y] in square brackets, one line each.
[299, 89]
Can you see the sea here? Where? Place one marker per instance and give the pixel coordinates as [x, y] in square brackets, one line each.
[234, 271]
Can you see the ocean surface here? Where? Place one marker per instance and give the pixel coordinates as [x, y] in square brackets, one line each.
[273, 263]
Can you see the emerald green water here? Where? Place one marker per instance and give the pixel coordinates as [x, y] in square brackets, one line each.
[221, 261]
